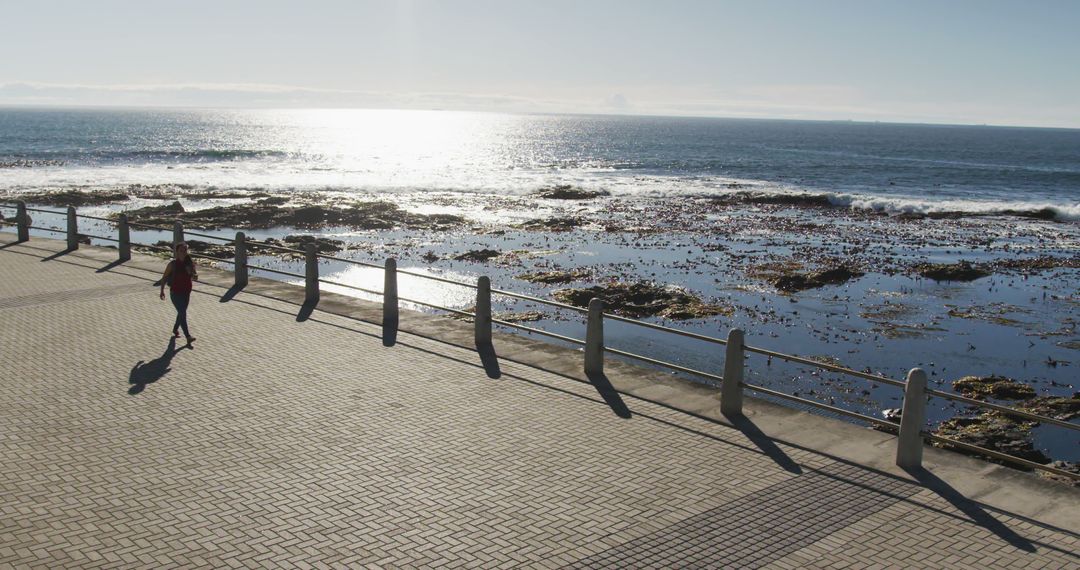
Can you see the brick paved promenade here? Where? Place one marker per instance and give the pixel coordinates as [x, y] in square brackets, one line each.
[275, 442]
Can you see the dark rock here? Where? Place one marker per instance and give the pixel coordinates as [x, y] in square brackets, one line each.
[962, 271]
[478, 255]
[1030, 265]
[553, 224]
[1040, 214]
[993, 431]
[998, 387]
[802, 200]
[798, 282]
[1056, 407]
[523, 317]
[223, 250]
[1069, 466]
[322, 245]
[568, 192]
[643, 300]
[157, 215]
[74, 198]
[361, 215]
[554, 277]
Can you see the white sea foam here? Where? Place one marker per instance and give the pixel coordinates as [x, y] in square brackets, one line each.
[290, 176]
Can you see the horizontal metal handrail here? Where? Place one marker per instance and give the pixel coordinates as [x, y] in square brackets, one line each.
[440, 307]
[1003, 409]
[833, 409]
[840, 369]
[42, 228]
[257, 243]
[212, 258]
[208, 236]
[149, 227]
[539, 300]
[99, 218]
[1000, 455]
[541, 332]
[654, 326]
[435, 278]
[29, 209]
[151, 246]
[103, 238]
[347, 286]
[353, 261]
[279, 272]
[664, 364]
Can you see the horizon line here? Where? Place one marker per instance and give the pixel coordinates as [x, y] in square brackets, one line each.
[130, 107]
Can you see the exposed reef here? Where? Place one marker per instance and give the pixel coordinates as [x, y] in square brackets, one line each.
[792, 282]
[643, 300]
[359, 215]
[962, 271]
[568, 192]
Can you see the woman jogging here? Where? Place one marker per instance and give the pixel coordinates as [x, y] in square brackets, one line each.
[179, 274]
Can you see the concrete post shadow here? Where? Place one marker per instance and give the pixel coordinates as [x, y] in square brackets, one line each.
[969, 508]
[232, 292]
[763, 442]
[305, 310]
[489, 359]
[603, 386]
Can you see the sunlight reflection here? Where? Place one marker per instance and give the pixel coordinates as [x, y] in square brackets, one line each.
[409, 286]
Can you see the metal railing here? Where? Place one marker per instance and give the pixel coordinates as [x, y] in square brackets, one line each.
[911, 432]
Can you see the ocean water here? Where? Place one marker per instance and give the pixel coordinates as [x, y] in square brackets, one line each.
[483, 166]
[888, 167]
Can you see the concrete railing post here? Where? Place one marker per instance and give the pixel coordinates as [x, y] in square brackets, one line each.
[240, 267]
[22, 218]
[311, 273]
[731, 390]
[177, 233]
[909, 446]
[72, 229]
[390, 295]
[594, 338]
[482, 320]
[124, 238]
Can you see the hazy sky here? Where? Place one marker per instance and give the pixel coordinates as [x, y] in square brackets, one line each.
[981, 61]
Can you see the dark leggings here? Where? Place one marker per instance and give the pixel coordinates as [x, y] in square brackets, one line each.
[180, 301]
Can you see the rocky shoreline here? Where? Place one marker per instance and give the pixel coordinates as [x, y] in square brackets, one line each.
[856, 285]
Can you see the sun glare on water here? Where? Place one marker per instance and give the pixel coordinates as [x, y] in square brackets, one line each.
[409, 286]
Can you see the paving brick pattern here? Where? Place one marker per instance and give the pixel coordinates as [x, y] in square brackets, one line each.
[777, 520]
[278, 443]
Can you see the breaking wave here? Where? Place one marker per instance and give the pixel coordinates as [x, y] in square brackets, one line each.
[913, 206]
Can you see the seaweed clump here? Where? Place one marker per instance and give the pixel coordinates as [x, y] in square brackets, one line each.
[997, 387]
[643, 300]
[994, 431]
[478, 255]
[74, 198]
[962, 271]
[791, 282]
[568, 192]
[553, 224]
[360, 215]
[554, 277]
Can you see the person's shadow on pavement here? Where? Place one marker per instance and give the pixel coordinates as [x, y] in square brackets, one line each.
[144, 373]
